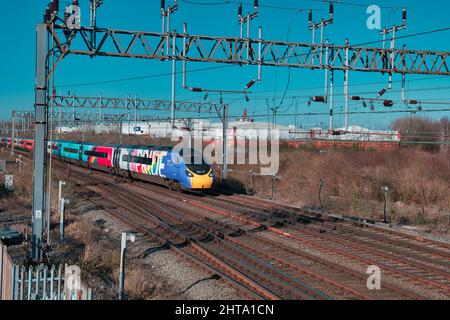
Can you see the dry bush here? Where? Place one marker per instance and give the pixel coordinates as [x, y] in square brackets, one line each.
[419, 132]
[23, 182]
[84, 231]
[353, 181]
[100, 256]
[140, 284]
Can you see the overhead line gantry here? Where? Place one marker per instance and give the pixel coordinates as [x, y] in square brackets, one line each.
[57, 40]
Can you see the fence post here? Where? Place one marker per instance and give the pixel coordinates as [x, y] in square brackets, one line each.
[62, 203]
[274, 178]
[322, 182]
[15, 282]
[1, 271]
[52, 282]
[44, 292]
[125, 237]
[22, 281]
[38, 279]
[59, 282]
[386, 190]
[252, 186]
[30, 282]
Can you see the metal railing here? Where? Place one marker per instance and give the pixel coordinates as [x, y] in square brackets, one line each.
[39, 282]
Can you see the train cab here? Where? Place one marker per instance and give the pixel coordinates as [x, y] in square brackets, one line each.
[198, 171]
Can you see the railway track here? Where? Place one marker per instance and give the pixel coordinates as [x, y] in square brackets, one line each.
[279, 232]
[275, 251]
[430, 260]
[198, 239]
[334, 279]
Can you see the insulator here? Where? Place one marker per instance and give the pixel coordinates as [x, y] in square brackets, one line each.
[256, 4]
[197, 90]
[318, 99]
[250, 84]
[54, 6]
[47, 15]
[355, 98]
[331, 9]
[388, 103]
[163, 4]
[382, 92]
[240, 10]
[310, 18]
[413, 102]
[404, 15]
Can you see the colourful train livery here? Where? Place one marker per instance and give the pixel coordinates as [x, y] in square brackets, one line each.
[188, 171]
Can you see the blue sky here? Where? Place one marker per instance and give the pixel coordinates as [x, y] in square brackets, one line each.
[18, 54]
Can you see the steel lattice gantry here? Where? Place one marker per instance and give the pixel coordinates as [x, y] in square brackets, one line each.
[95, 41]
[148, 45]
[77, 117]
[133, 103]
[80, 117]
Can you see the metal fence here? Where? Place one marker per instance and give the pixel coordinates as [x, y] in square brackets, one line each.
[40, 282]
[6, 272]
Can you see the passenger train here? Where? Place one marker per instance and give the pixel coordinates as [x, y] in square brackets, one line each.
[161, 165]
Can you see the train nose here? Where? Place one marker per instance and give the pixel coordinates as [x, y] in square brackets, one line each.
[201, 182]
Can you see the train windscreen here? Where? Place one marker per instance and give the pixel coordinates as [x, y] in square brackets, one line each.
[196, 163]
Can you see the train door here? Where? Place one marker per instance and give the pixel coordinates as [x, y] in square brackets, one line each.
[80, 155]
[177, 164]
[115, 161]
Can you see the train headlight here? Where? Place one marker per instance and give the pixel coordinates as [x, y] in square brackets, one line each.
[189, 174]
[211, 174]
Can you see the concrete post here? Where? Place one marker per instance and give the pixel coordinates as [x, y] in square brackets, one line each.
[386, 190]
[174, 71]
[13, 133]
[322, 182]
[40, 141]
[346, 75]
[225, 144]
[125, 236]
[62, 205]
[61, 184]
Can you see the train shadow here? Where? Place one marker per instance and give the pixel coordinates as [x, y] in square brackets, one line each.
[221, 190]
[152, 250]
[213, 277]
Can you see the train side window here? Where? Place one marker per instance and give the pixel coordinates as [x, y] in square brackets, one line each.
[96, 154]
[70, 150]
[140, 160]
